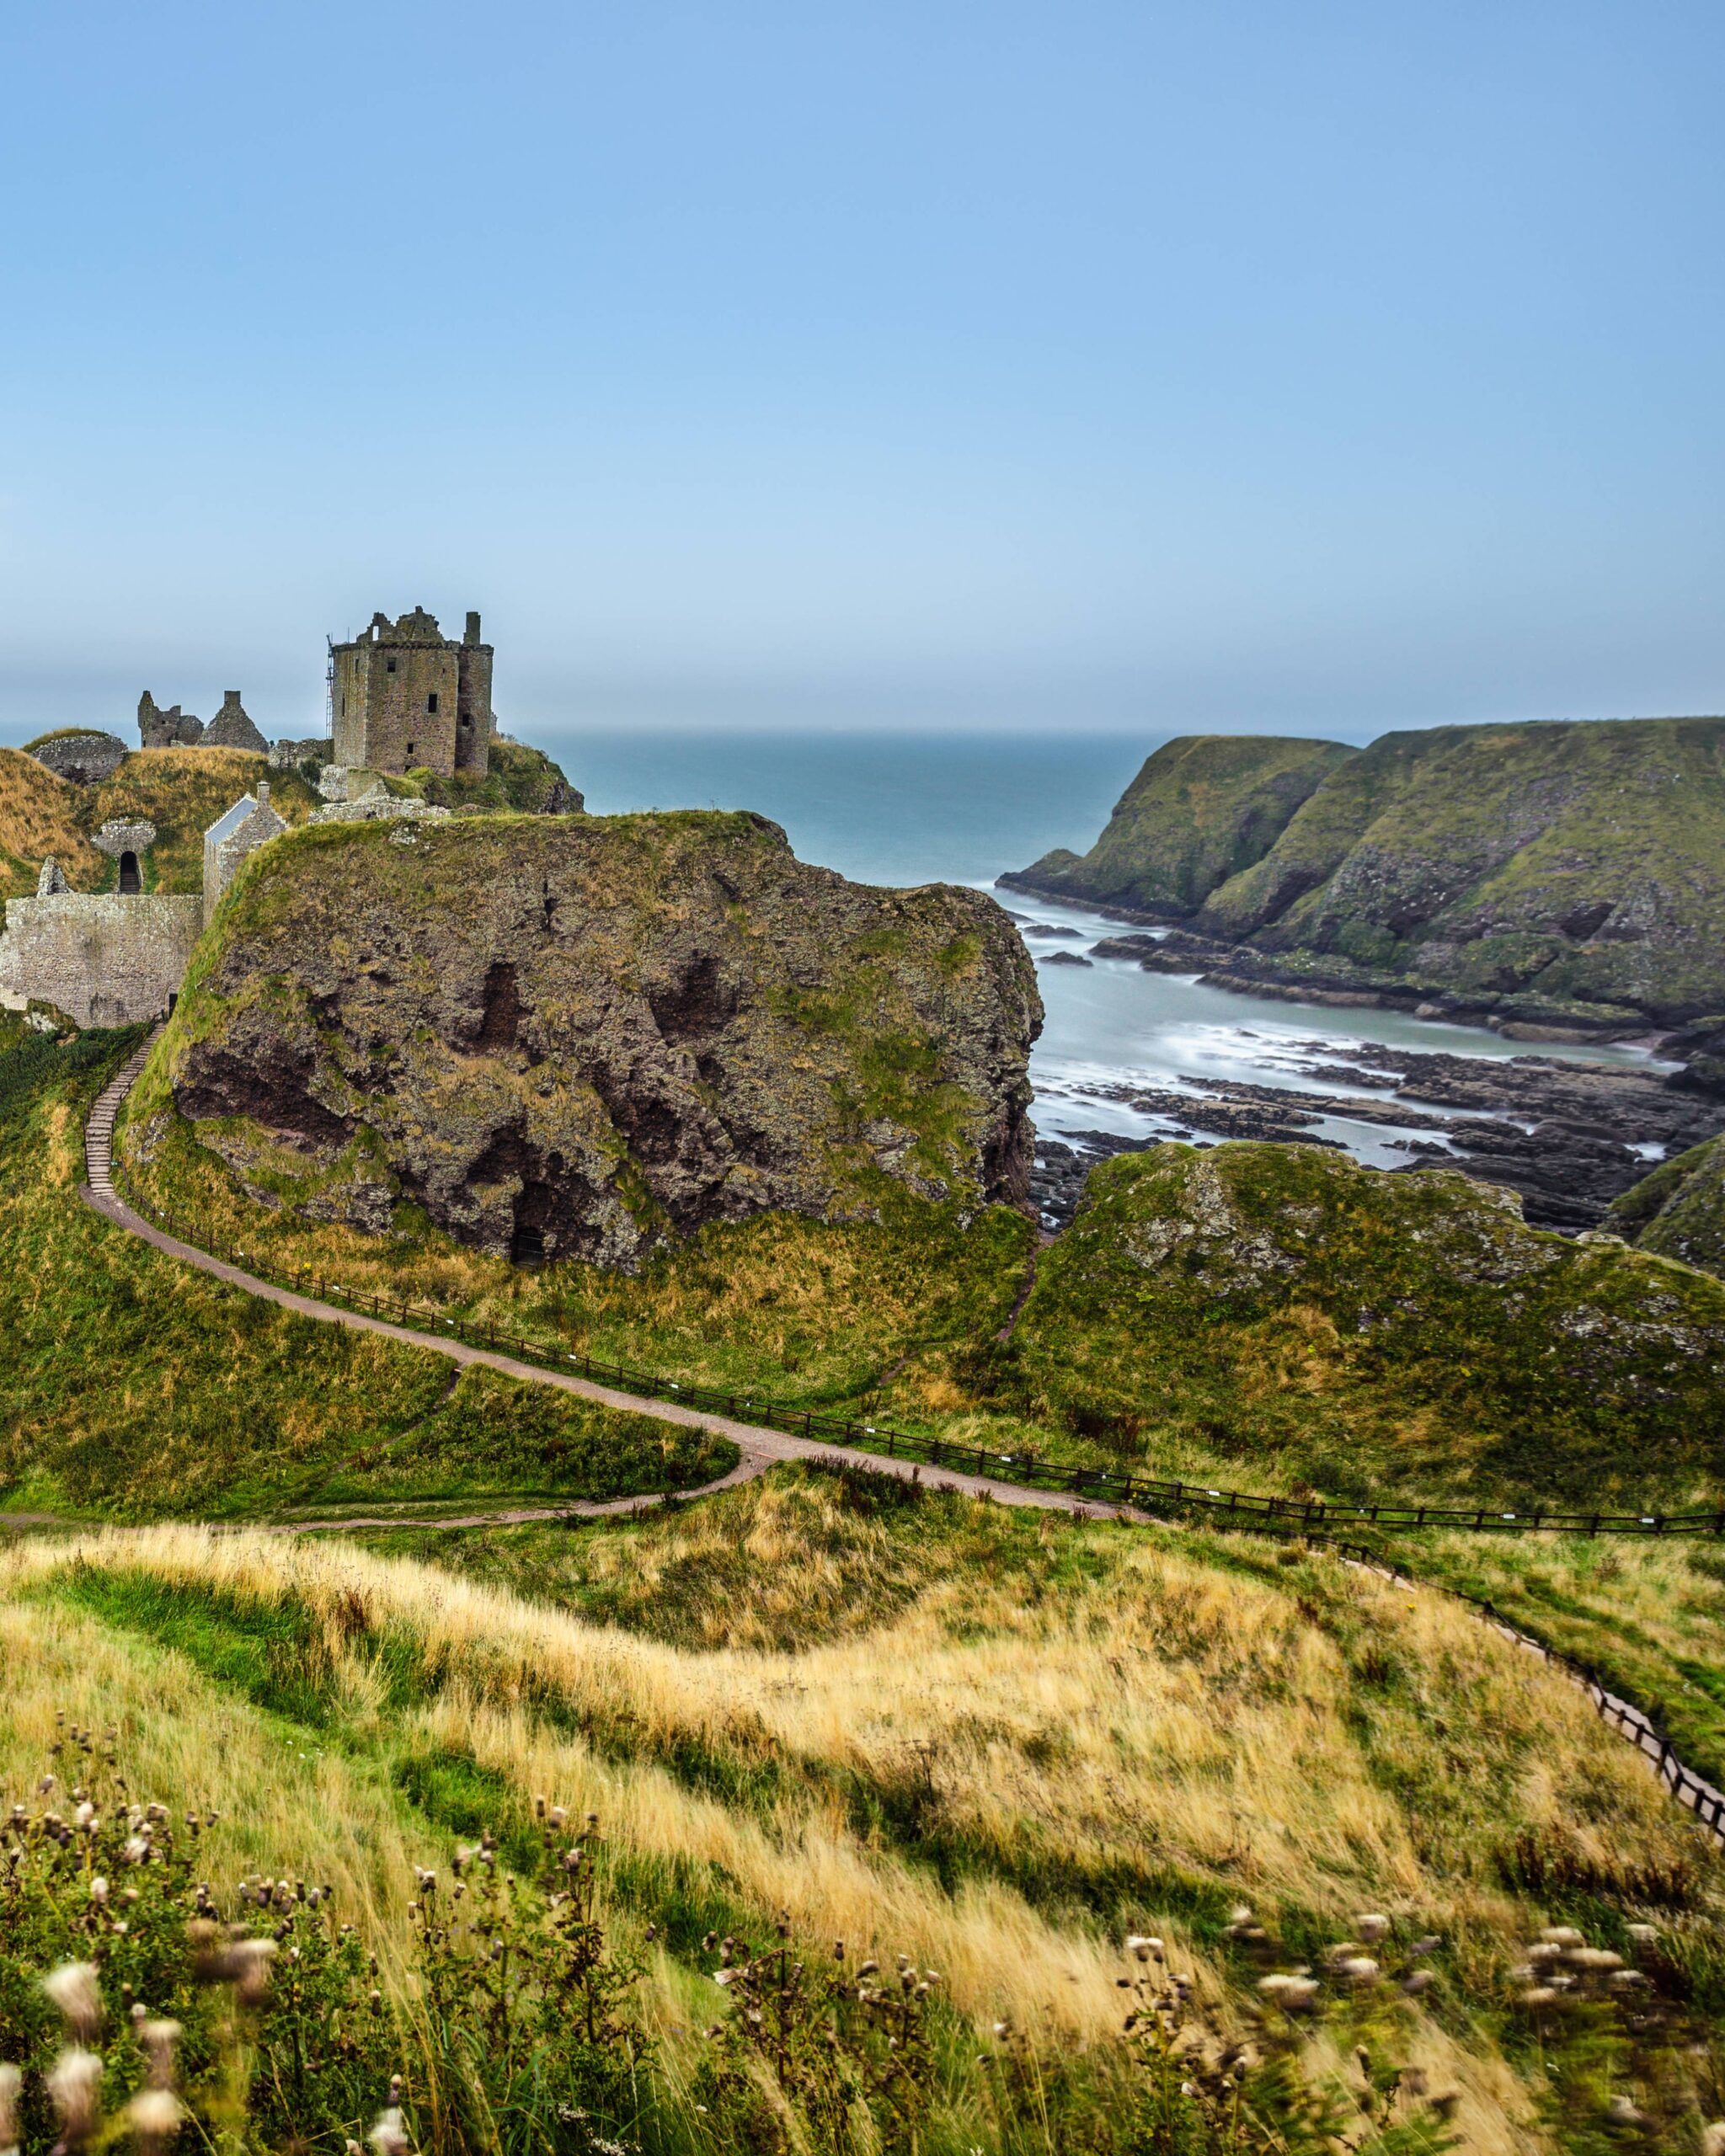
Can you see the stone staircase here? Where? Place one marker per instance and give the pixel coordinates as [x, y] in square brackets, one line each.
[98, 1131]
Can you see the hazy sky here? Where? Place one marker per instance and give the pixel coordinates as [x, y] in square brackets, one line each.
[1087, 363]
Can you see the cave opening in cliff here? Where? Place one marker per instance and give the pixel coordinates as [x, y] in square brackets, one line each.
[532, 1211]
[501, 1013]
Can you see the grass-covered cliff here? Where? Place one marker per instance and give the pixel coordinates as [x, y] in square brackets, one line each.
[1201, 810]
[574, 1036]
[1280, 1307]
[132, 1387]
[1577, 868]
[1679, 1210]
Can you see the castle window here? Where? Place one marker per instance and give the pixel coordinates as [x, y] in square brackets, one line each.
[410, 747]
[389, 666]
[431, 701]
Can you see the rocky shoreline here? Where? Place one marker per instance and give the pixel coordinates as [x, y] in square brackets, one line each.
[1567, 1138]
[1303, 977]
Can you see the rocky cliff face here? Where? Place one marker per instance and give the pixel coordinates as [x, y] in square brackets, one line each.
[573, 1036]
[1551, 872]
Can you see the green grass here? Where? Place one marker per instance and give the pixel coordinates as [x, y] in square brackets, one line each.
[1647, 1617]
[135, 1387]
[1333, 1332]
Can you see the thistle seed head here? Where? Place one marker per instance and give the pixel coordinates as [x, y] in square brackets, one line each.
[74, 1989]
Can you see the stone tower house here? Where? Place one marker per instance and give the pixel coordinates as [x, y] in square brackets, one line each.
[407, 697]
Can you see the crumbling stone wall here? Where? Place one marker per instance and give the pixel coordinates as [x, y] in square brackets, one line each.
[233, 728]
[172, 728]
[104, 961]
[289, 755]
[85, 758]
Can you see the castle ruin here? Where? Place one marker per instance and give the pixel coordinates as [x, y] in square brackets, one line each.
[406, 697]
[118, 958]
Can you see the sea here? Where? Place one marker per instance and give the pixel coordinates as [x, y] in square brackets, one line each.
[961, 808]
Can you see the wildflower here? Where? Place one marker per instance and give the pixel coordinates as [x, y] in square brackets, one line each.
[1372, 1929]
[11, 2080]
[99, 1892]
[1293, 1995]
[159, 2038]
[74, 2082]
[1360, 1969]
[73, 1989]
[155, 2115]
[248, 1961]
[389, 2137]
[1143, 1948]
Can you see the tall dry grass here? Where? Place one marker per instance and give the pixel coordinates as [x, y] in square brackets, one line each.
[1184, 1714]
[1315, 1743]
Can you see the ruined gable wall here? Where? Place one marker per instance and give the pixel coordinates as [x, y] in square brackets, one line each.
[106, 961]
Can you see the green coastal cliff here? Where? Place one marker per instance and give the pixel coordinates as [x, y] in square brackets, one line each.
[1573, 870]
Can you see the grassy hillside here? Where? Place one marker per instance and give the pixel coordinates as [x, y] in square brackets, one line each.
[1309, 1327]
[131, 1386]
[1577, 867]
[180, 791]
[1202, 809]
[1053, 1737]
[1679, 1210]
[1351, 1330]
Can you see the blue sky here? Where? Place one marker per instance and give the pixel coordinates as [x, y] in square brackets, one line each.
[1295, 366]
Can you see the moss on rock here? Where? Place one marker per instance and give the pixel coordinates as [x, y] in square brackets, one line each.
[575, 1036]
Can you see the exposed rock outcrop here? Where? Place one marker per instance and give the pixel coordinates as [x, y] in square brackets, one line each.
[574, 1036]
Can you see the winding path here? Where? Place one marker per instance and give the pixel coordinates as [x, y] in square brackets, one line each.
[761, 1449]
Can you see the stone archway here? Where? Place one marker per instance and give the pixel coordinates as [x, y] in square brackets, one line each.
[131, 880]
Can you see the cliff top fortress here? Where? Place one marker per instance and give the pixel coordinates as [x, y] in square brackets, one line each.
[406, 697]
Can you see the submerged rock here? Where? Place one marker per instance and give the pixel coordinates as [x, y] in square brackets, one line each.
[575, 1036]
